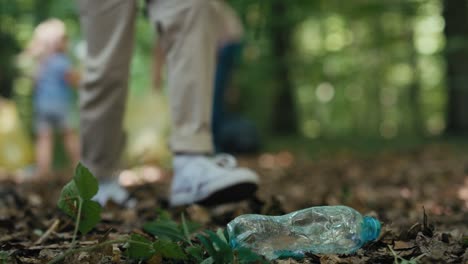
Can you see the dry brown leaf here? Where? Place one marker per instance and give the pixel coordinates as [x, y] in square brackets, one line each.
[402, 245]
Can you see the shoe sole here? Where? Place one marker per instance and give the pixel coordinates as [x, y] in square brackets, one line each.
[235, 193]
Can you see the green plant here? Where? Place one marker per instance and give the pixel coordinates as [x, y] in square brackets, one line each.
[4, 256]
[217, 246]
[173, 241]
[75, 201]
[166, 228]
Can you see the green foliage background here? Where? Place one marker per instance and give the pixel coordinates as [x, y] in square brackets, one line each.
[363, 68]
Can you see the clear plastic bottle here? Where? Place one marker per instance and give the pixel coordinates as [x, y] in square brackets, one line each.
[318, 230]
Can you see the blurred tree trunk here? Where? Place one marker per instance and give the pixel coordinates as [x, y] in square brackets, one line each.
[414, 92]
[456, 32]
[374, 116]
[8, 49]
[285, 119]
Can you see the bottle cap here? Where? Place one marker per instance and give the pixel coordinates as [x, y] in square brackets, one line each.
[371, 229]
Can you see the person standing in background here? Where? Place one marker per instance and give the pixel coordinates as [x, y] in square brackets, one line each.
[188, 32]
[231, 133]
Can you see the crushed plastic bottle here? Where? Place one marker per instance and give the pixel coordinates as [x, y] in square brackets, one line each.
[318, 230]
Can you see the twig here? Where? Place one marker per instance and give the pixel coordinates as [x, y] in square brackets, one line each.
[77, 224]
[12, 236]
[48, 232]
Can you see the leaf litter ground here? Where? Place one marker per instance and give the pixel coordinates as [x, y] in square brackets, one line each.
[421, 196]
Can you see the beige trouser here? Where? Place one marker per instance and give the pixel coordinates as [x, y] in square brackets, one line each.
[188, 33]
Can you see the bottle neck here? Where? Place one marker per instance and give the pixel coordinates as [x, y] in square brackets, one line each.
[370, 229]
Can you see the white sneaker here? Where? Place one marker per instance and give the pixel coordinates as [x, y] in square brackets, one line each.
[208, 181]
[111, 190]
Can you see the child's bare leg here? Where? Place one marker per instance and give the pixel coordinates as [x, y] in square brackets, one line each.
[44, 150]
[70, 141]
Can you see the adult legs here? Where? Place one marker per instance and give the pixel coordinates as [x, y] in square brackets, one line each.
[108, 27]
[188, 36]
[189, 30]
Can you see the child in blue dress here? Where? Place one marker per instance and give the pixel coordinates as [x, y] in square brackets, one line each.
[53, 97]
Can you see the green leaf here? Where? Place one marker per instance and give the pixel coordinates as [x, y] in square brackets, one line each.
[219, 242]
[226, 235]
[169, 249]
[246, 256]
[164, 229]
[220, 233]
[216, 247]
[86, 183]
[193, 227]
[209, 260]
[4, 257]
[196, 252]
[90, 216]
[207, 244]
[139, 247]
[69, 199]
[185, 229]
[78, 191]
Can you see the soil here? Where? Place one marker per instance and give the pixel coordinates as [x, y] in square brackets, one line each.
[420, 196]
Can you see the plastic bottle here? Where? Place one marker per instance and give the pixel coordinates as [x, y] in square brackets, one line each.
[318, 230]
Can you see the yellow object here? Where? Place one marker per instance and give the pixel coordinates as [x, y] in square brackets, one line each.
[147, 126]
[15, 146]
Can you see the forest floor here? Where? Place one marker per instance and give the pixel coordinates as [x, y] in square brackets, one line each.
[420, 195]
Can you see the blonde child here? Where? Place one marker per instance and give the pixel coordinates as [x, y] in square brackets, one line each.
[53, 79]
